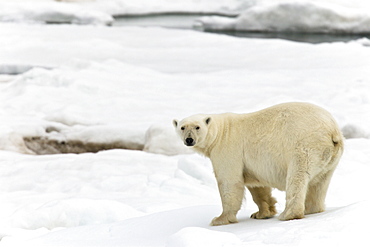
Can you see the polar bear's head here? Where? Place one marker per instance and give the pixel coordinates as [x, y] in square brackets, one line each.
[193, 130]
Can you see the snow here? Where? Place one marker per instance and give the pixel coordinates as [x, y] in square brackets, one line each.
[51, 12]
[196, 236]
[123, 86]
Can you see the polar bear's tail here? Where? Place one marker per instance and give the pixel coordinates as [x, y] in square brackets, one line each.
[337, 139]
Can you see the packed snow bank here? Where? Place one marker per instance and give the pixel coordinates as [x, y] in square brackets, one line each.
[127, 198]
[64, 191]
[293, 16]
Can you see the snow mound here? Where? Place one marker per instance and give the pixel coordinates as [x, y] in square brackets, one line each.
[354, 131]
[52, 12]
[196, 236]
[163, 140]
[302, 16]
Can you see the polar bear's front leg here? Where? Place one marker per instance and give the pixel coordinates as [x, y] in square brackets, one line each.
[231, 187]
[232, 195]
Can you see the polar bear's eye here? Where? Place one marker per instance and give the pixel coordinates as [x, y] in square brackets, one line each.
[182, 128]
[197, 128]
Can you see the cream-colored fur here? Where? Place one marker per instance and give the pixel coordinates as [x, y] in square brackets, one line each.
[294, 147]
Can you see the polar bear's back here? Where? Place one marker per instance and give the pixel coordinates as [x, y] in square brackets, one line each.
[273, 137]
[294, 120]
[284, 123]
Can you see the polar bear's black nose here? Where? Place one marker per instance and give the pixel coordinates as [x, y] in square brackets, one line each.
[189, 141]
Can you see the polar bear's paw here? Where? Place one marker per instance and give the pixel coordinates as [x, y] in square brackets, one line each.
[266, 209]
[267, 214]
[224, 219]
[291, 215]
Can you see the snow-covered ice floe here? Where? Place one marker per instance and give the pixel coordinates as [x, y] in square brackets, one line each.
[293, 16]
[91, 95]
[124, 198]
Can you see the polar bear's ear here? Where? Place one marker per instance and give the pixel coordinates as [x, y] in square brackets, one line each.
[207, 120]
[174, 122]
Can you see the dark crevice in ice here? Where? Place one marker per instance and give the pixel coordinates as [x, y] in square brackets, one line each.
[44, 145]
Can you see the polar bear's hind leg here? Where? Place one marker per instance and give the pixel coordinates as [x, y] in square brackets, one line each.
[315, 199]
[296, 187]
[265, 202]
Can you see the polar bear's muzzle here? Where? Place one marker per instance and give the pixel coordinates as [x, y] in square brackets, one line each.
[189, 139]
[189, 142]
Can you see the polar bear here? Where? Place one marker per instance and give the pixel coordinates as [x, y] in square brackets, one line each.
[294, 147]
